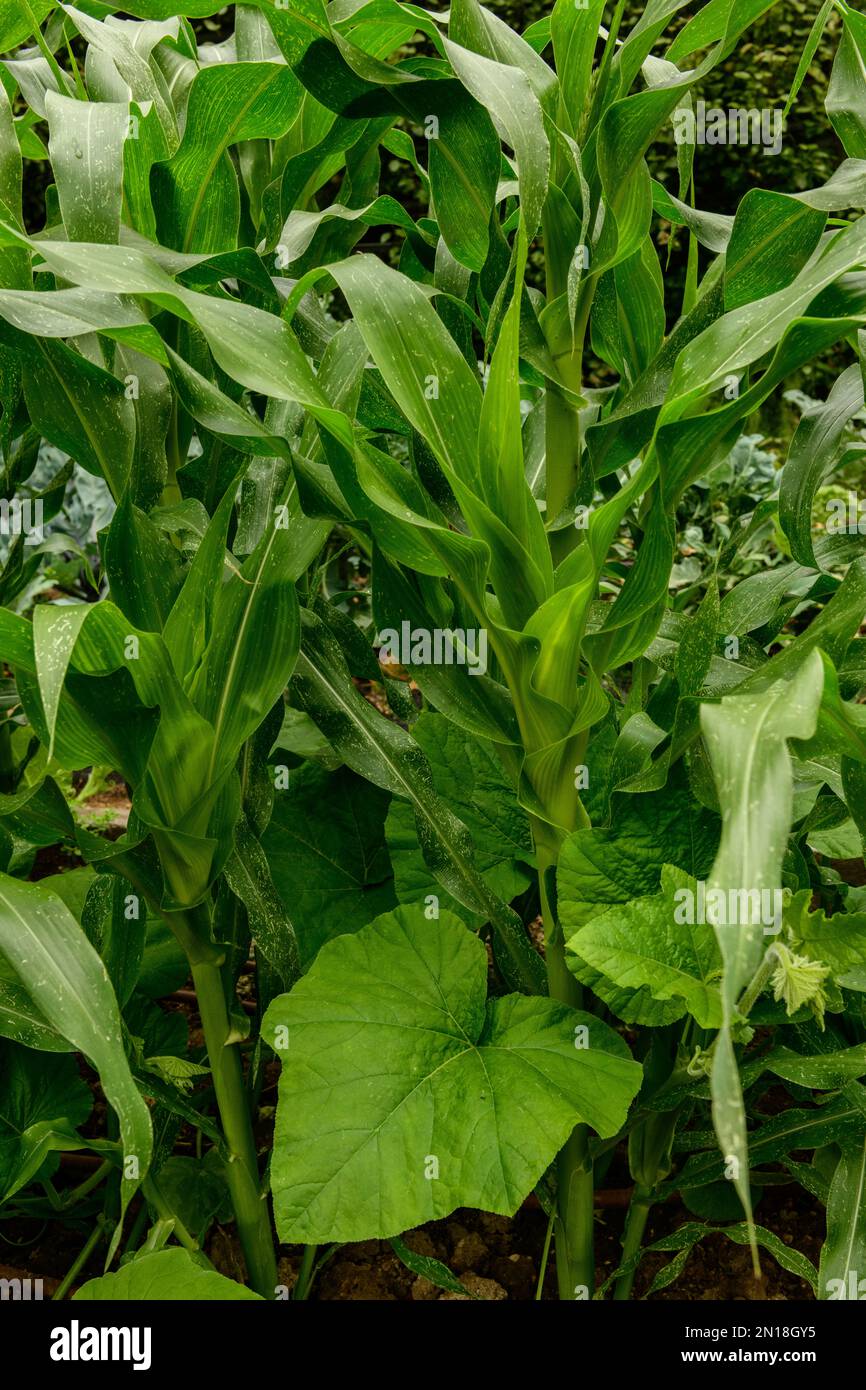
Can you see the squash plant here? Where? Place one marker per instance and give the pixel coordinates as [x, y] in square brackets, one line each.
[194, 325]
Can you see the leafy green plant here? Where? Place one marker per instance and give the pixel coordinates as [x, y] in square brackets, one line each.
[653, 779]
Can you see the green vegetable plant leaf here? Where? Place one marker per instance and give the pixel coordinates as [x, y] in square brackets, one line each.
[44, 1099]
[431, 1098]
[642, 945]
[326, 848]
[160, 1277]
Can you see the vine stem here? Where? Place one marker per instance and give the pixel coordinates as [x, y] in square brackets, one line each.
[152, 1194]
[755, 988]
[306, 1273]
[83, 1188]
[96, 1235]
[639, 1209]
[542, 1269]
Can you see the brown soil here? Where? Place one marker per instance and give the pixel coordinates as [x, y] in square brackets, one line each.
[498, 1258]
[495, 1257]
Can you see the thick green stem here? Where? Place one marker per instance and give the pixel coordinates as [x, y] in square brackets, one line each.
[635, 1225]
[562, 452]
[248, 1200]
[574, 1232]
[192, 929]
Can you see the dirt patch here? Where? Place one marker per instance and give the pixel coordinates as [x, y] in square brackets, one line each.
[498, 1258]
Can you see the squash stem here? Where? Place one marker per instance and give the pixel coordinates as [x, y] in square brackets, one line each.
[639, 1209]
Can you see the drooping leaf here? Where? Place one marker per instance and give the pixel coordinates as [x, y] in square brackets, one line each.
[68, 983]
[746, 740]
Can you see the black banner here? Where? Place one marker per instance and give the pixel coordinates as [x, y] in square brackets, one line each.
[199, 1339]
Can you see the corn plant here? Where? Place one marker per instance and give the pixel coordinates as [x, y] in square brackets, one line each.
[194, 325]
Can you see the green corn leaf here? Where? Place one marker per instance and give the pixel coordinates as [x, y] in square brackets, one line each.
[442, 399]
[189, 625]
[845, 101]
[117, 933]
[14, 261]
[500, 445]
[301, 226]
[474, 702]
[463, 149]
[507, 94]
[772, 238]
[687, 1237]
[86, 144]
[256, 348]
[81, 409]
[844, 1250]
[55, 634]
[143, 79]
[781, 1135]
[807, 56]
[384, 753]
[828, 1072]
[746, 742]
[67, 981]
[686, 447]
[143, 568]
[717, 20]
[854, 787]
[628, 314]
[16, 25]
[254, 641]
[475, 27]
[428, 1268]
[747, 333]
[813, 451]
[196, 192]
[248, 875]
[67, 313]
[22, 1022]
